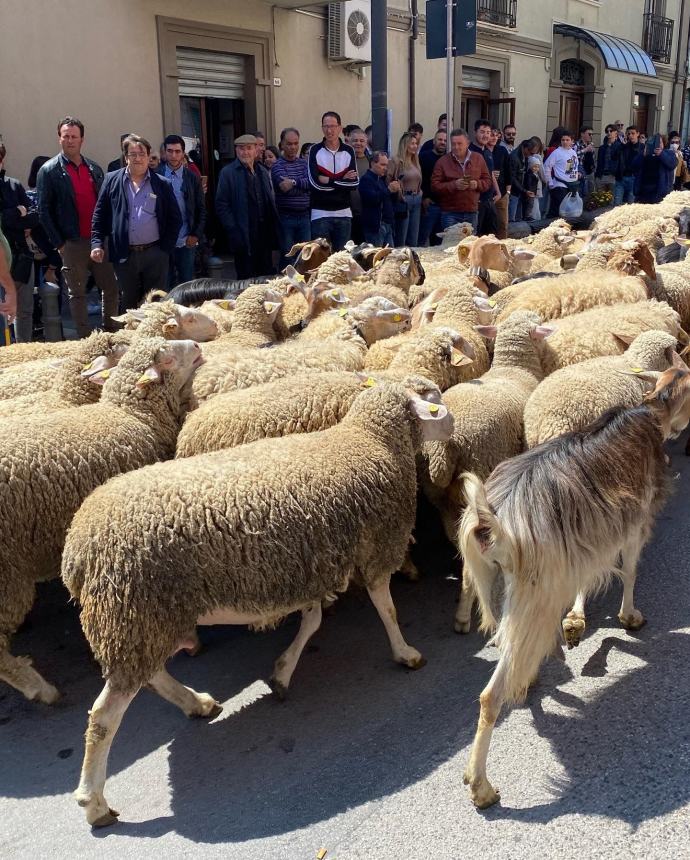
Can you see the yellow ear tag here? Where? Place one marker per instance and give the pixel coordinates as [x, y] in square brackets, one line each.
[369, 382]
[225, 305]
[335, 294]
[87, 366]
[637, 369]
[434, 307]
[144, 380]
[433, 409]
[342, 312]
[104, 374]
[397, 318]
[492, 303]
[299, 278]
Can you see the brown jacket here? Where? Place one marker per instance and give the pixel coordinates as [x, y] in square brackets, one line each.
[447, 170]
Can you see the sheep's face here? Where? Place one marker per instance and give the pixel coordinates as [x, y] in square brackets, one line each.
[98, 370]
[272, 303]
[379, 318]
[672, 393]
[433, 418]
[191, 323]
[311, 254]
[179, 358]
[488, 253]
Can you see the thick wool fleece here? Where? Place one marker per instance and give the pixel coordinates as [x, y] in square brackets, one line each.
[344, 351]
[265, 529]
[546, 241]
[575, 396]
[488, 417]
[569, 294]
[307, 402]
[50, 464]
[27, 377]
[252, 327]
[337, 269]
[222, 317]
[592, 333]
[672, 285]
[69, 387]
[622, 218]
[18, 353]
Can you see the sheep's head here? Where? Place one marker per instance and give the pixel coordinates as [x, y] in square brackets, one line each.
[378, 318]
[671, 399]
[322, 296]
[310, 254]
[405, 261]
[632, 257]
[155, 360]
[364, 254]
[455, 233]
[105, 350]
[487, 252]
[424, 312]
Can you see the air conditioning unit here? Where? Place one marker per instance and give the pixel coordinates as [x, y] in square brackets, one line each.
[349, 31]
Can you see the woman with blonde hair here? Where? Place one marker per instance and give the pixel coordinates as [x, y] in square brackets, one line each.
[404, 169]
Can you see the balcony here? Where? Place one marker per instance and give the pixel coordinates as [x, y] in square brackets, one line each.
[657, 37]
[501, 12]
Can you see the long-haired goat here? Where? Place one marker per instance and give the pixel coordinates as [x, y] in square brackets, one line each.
[556, 521]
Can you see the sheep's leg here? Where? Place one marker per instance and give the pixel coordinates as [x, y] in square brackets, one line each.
[408, 568]
[629, 617]
[482, 793]
[402, 652]
[574, 622]
[19, 673]
[193, 704]
[104, 721]
[287, 662]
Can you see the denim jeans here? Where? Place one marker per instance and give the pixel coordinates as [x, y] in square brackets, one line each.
[295, 227]
[336, 230]
[181, 265]
[407, 229]
[430, 224]
[623, 192]
[380, 238]
[514, 208]
[450, 218]
[24, 320]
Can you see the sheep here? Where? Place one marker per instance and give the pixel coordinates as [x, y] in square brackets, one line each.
[310, 255]
[303, 303]
[50, 464]
[198, 541]
[455, 233]
[343, 351]
[257, 322]
[622, 218]
[29, 376]
[376, 318]
[159, 319]
[558, 520]
[79, 378]
[558, 406]
[488, 429]
[394, 275]
[606, 331]
[311, 401]
[340, 268]
[672, 284]
[221, 311]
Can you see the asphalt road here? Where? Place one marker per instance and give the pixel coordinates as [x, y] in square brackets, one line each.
[365, 759]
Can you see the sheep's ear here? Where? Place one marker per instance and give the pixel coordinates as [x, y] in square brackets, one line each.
[645, 260]
[488, 331]
[271, 308]
[381, 255]
[135, 314]
[427, 411]
[224, 304]
[405, 268]
[541, 332]
[463, 253]
[396, 315]
[458, 358]
[463, 346]
[150, 375]
[484, 304]
[100, 377]
[308, 250]
[171, 326]
[683, 337]
[676, 360]
[338, 297]
[296, 249]
[123, 318]
[684, 243]
[523, 254]
[366, 380]
[623, 339]
[349, 245]
[101, 362]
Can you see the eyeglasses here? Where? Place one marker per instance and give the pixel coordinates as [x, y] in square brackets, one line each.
[136, 156]
[326, 127]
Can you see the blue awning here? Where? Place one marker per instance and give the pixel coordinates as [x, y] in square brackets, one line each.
[619, 54]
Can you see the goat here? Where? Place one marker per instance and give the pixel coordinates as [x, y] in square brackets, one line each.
[556, 521]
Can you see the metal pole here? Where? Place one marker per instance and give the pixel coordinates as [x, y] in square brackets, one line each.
[379, 73]
[449, 71]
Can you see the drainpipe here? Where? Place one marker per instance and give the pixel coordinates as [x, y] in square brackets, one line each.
[676, 81]
[379, 72]
[414, 35]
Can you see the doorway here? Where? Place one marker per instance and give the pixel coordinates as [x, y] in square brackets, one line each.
[641, 112]
[570, 114]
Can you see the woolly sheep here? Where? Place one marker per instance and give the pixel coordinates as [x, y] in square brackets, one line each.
[151, 554]
[375, 318]
[79, 378]
[221, 311]
[340, 268]
[303, 303]
[257, 322]
[573, 397]
[344, 351]
[622, 218]
[672, 284]
[307, 402]
[50, 464]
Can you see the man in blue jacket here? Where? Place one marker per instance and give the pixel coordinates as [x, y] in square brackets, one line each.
[377, 206]
[246, 208]
[137, 213]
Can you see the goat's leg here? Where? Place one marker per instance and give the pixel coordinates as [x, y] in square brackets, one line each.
[104, 720]
[574, 622]
[193, 704]
[463, 614]
[285, 664]
[482, 793]
[629, 617]
[402, 652]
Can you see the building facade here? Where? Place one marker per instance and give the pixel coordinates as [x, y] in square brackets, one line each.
[214, 69]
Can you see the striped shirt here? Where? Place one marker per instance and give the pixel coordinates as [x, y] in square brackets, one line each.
[297, 198]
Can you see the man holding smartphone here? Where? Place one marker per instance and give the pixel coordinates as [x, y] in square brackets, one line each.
[458, 179]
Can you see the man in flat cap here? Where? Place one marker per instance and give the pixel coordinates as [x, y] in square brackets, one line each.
[247, 210]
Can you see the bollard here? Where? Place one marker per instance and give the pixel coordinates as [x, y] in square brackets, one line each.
[215, 268]
[50, 312]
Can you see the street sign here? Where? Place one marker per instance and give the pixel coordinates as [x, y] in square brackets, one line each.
[464, 28]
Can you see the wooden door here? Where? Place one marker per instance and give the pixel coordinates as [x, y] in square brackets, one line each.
[641, 112]
[571, 110]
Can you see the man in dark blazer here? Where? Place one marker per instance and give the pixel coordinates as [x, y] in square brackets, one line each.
[138, 214]
[247, 210]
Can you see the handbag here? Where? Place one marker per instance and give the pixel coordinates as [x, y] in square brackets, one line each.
[22, 268]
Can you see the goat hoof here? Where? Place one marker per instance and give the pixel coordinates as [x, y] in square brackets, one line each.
[208, 707]
[461, 626]
[573, 628]
[278, 689]
[413, 659]
[106, 820]
[482, 793]
[633, 621]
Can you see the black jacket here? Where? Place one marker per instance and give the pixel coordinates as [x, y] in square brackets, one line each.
[111, 215]
[57, 208]
[377, 205]
[515, 174]
[626, 156]
[335, 194]
[12, 195]
[232, 202]
[616, 147]
[194, 203]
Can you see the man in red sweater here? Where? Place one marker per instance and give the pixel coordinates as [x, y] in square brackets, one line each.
[458, 179]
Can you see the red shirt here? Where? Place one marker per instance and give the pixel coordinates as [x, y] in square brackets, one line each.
[84, 195]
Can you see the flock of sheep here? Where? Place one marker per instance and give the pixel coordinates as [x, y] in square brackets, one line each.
[173, 485]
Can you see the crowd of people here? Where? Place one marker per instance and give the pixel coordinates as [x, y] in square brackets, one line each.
[140, 226]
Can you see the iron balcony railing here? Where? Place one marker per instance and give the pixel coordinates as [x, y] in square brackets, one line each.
[501, 12]
[657, 37]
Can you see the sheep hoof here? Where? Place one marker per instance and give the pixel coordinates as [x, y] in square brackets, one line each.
[482, 793]
[633, 621]
[573, 628]
[278, 689]
[208, 707]
[110, 817]
[413, 660]
[462, 626]
[47, 694]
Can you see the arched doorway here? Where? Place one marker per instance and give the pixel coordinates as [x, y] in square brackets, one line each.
[572, 102]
